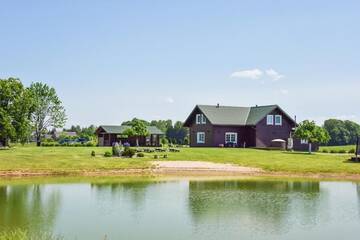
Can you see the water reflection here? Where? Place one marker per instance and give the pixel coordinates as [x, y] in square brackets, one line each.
[28, 206]
[262, 203]
[134, 190]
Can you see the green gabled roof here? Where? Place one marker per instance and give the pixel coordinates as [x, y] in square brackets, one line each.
[258, 113]
[237, 116]
[119, 129]
[225, 115]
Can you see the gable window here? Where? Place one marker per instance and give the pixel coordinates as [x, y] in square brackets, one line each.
[278, 120]
[231, 137]
[270, 120]
[304, 141]
[200, 137]
[200, 119]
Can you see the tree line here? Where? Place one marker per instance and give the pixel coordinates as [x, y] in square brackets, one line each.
[26, 111]
[342, 132]
[175, 133]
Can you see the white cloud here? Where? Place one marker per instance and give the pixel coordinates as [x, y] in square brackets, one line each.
[274, 75]
[284, 91]
[249, 74]
[169, 100]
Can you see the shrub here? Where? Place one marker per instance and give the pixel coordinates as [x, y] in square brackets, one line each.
[116, 151]
[128, 152]
[140, 154]
[351, 150]
[156, 156]
[107, 154]
[93, 153]
[333, 151]
[342, 151]
[325, 151]
[90, 144]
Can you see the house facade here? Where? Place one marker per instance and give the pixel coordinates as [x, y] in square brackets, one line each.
[107, 135]
[259, 126]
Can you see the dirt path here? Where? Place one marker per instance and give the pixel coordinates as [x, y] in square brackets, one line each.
[197, 166]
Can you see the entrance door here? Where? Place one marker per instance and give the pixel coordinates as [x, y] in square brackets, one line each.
[101, 141]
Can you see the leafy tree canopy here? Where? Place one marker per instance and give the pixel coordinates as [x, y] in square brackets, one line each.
[48, 110]
[15, 109]
[308, 130]
[342, 132]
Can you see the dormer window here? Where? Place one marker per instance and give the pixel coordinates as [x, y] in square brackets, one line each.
[270, 120]
[278, 120]
[200, 119]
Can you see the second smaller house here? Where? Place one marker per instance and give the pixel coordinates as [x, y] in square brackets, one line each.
[109, 134]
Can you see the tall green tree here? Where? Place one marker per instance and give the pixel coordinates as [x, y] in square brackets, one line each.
[137, 129]
[48, 110]
[309, 131]
[15, 110]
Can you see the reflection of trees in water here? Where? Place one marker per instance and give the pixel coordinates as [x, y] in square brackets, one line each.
[358, 194]
[261, 202]
[28, 206]
[135, 190]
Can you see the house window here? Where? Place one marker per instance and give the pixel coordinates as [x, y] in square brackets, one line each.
[270, 120]
[304, 141]
[200, 137]
[278, 120]
[230, 137]
[200, 119]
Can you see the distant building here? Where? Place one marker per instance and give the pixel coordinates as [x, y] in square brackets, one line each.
[258, 126]
[107, 135]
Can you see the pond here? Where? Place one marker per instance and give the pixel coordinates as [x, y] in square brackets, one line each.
[184, 209]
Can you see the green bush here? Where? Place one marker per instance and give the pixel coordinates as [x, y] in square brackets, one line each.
[90, 144]
[140, 154]
[116, 151]
[351, 150]
[325, 151]
[128, 152]
[107, 154]
[49, 144]
[156, 156]
[93, 153]
[342, 151]
[333, 151]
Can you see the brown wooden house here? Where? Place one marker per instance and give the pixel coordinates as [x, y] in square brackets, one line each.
[107, 135]
[258, 126]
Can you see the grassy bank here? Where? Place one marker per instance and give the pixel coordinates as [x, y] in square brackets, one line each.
[78, 159]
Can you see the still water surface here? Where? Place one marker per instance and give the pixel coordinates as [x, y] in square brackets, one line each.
[184, 209]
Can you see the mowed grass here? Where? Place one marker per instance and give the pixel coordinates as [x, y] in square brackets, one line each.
[63, 159]
[79, 159]
[337, 148]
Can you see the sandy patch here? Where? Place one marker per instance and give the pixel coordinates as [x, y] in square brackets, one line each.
[184, 166]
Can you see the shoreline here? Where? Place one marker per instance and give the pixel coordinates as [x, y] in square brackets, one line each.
[183, 169]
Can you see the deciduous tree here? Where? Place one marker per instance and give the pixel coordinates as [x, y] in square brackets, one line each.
[309, 131]
[48, 109]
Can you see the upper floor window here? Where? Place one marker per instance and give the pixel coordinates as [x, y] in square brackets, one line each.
[278, 120]
[200, 119]
[270, 120]
[200, 137]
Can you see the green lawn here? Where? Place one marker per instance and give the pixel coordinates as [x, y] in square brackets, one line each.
[337, 148]
[73, 159]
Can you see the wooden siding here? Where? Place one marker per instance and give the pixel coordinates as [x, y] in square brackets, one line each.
[266, 133]
[195, 128]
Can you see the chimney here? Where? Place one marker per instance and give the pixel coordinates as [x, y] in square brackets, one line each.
[217, 105]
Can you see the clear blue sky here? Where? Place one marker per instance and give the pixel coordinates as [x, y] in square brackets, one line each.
[114, 60]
